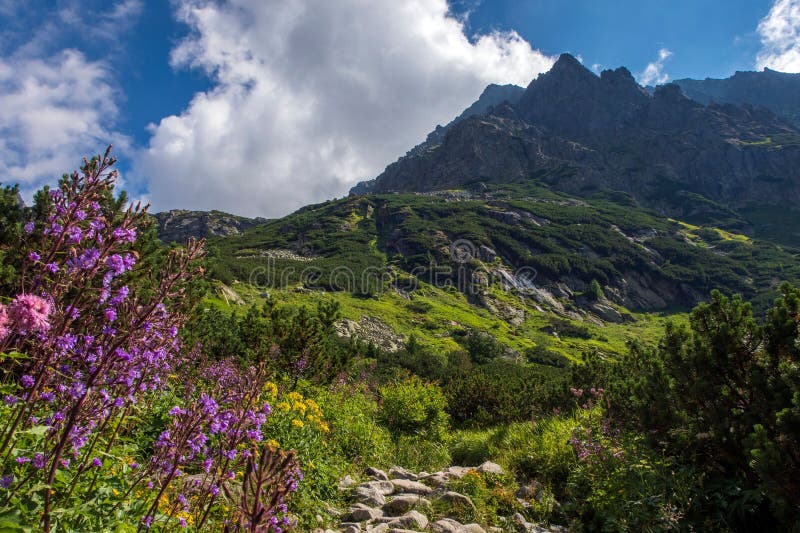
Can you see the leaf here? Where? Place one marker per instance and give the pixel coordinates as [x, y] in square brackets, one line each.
[38, 431]
[14, 356]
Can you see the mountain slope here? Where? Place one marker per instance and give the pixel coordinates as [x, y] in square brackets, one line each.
[777, 91]
[584, 134]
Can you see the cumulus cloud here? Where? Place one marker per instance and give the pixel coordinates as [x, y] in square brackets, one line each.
[310, 96]
[780, 37]
[58, 104]
[52, 112]
[654, 74]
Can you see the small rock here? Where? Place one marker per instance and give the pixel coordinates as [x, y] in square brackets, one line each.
[445, 525]
[454, 498]
[378, 528]
[404, 502]
[529, 491]
[398, 472]
[377, 474]
[490, 468]
[384, 487]
[369, 496]
[346, 482]
[471, 528]
[362, 513]
[412, 519]
[350, 527]
[437, 480]
[457, 471]
[414, 487]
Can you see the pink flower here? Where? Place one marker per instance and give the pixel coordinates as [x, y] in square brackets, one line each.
[29, 312]
[4, 322]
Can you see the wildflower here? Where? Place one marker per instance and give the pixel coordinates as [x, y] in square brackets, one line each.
[29, 227]
[297, 423]
[97, 462]
[38, 461]
[29, 312]
[6, 481]
[33, 257]
[4, 322]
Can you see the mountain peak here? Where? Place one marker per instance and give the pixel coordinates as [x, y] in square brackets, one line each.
[567, 61]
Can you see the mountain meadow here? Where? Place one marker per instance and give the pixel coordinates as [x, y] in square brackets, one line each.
[575, 307]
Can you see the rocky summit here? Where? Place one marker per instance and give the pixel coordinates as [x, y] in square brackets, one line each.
[583, 134]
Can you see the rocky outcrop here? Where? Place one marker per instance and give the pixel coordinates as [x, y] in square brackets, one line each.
[371, 330]
[777, 91]
[582, 133]
[179, 225]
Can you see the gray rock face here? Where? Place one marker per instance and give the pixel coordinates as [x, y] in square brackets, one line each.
[582, 133]
[179, 225]
[777, 91]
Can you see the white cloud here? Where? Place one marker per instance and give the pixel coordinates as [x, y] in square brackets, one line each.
[52, 112]
[311, 96]
[654, 74]
[780, 37]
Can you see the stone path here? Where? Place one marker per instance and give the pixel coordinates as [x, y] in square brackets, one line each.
[394, 502]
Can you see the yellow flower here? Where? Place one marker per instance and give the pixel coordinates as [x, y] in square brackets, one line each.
[324, 427]
[295, 396]
[271, 390]
[273, 443]
[297, 423]
[283, 406]
[299, 407]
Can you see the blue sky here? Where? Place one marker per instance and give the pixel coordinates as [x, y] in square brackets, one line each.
[260, 106]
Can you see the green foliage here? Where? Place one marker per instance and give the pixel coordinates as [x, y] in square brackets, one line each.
[594, 292]
[502, 392]
[721, 395]
[414, 407]
[482, 347]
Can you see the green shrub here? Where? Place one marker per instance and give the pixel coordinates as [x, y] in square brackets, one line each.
[414, 407]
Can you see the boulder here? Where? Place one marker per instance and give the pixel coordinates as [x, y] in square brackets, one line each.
[413, 487]
[384, 487]
[445, 525]
[362, 513]
[456, 499]
[398, 472]
[377, 474]
[411, 519]
[490, 468]
[403, 503]
[369, 496]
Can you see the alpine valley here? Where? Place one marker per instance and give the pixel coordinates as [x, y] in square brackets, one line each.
[508, 219]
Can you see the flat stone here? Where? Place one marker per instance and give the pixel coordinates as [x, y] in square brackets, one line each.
[454, 498]
[412, 519]
[490, 468]
[384, 487]
[457, 471]
[445, 525]
[361, 513]
[350, 527]
[471, 528]
[436, 480]
[378, 528]
[398, 472]
[369, 496]
[376, 473]
[414, 487]
[404, 502]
